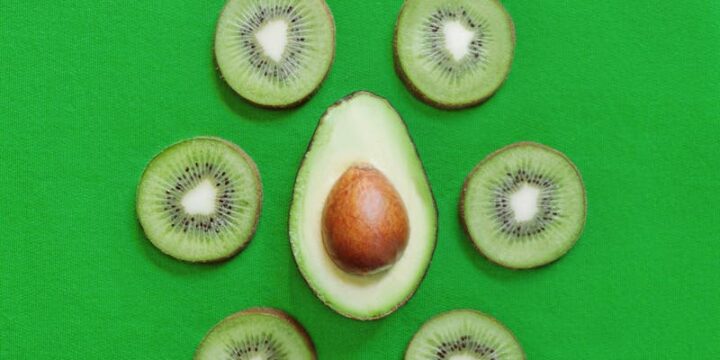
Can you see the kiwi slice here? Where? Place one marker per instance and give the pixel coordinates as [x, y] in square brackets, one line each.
[453, 53]
[466, 335]
[275, 53]
[524, 205]
[257, 334]
[199, 200]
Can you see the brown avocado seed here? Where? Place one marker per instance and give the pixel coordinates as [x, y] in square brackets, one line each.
[365, 223]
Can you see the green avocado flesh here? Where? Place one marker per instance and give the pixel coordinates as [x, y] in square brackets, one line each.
[254, 335]
[524, 206]
[464, 335]
[275, 53]
[454, 53]
[361, 128]
[199, 200]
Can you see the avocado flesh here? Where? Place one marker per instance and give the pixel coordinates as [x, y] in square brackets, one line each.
[361, 128]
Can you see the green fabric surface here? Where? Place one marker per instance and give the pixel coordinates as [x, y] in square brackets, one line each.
[91, 90]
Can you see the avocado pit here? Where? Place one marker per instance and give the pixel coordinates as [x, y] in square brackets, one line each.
[365, 224]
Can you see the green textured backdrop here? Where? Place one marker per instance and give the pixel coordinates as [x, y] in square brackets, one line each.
[91, 90]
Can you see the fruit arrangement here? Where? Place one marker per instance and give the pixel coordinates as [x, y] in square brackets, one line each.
[363, 220]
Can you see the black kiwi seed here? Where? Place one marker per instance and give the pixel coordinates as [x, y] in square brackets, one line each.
[547, 212]
[270, 69]
[434, 42]
[264, 346]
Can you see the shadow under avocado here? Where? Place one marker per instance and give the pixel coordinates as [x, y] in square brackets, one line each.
[326, 320]
[242, 107]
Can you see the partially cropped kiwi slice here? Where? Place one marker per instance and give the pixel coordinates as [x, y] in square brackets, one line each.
[524, 205]
[199, 200]
[275, 53]
[453, 53]
[257, 334]
[464, 335]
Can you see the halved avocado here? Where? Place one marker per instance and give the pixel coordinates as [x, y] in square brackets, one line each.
[362, 129]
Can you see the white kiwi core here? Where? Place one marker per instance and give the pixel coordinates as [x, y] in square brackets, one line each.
[272, 37]
[457, 39]
[462, 357]
[201, 199]
[524, 203]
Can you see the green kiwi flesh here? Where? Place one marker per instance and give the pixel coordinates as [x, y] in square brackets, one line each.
[259, 333]
[466, 335]
[453, 53]
[275, 53]
[199, 200]
[524, 206]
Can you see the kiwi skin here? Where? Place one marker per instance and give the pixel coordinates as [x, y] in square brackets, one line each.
[434, 202]
[256, 174]
[467, 310]
[275, 313]
[461, 204]
[420, 95]
[299, 101]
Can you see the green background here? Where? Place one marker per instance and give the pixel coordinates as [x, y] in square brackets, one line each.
[91, 90]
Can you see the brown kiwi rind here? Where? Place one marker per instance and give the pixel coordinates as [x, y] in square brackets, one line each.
[461, 203]
[299, 102]
[315, 291]
[259, 192]
[274, 313]
[424, 98]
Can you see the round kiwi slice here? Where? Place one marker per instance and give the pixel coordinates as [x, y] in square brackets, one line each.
[453, 53]
[199, 200]
[524, 205]
[257, 334]
[275, 53]
[466, 335]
